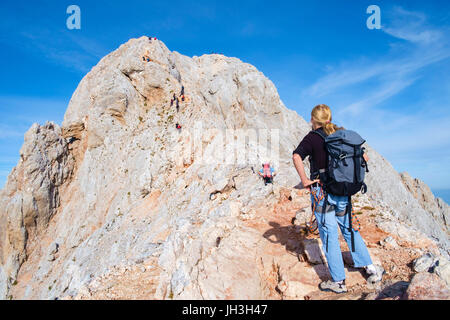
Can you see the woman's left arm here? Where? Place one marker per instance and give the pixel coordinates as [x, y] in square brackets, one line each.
[298, 163]
[366, 157]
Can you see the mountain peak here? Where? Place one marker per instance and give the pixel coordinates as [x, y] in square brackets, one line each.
[131, 182]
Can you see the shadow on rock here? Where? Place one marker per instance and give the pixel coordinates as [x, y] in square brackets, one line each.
[286, 236]
[306, 250]
[394, 291]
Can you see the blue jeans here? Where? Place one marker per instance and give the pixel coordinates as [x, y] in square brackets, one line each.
[328, 229]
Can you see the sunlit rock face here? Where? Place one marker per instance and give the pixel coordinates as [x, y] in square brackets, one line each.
[118, 203]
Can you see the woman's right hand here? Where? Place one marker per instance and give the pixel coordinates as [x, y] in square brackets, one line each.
[307, 183]
[366, 157]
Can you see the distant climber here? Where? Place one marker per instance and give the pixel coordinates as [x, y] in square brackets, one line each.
[267, 173]
[178, 126]
[184, 98]
[178, 105]
[182, 91]
[146, 56]
[332, 212]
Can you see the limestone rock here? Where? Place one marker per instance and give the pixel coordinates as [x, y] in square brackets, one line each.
[427, 286]
[424, 263]
[442, 269]
[295, 289]
[437, 207]
[389, 242]
[117, 185]
[303, 216]
[32, 193]
[52, 250]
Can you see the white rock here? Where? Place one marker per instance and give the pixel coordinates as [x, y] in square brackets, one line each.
[424, 262]
[443, 270]
[117, 182]
[389, 242]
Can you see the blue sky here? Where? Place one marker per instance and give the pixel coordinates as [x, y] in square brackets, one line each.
[391, 85]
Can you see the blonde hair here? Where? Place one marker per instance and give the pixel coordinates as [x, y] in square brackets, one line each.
[321, 114]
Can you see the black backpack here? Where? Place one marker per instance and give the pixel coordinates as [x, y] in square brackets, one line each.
[346, 167]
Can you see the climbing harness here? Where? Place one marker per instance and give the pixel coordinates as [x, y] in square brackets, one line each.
[311, 226]
[355, 221]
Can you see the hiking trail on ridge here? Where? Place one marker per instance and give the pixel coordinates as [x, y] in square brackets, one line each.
[114, 204]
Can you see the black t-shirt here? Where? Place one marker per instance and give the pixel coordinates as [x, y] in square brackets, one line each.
[313, 146]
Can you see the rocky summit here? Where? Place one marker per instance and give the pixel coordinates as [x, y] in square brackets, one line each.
[121, 203]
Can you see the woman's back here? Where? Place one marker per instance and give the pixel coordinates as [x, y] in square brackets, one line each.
[313, 145]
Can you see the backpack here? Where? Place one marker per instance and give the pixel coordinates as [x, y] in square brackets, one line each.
[346, 167]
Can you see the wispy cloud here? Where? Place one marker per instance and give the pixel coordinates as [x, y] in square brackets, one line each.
[8, 132]
[42, 38]
[415, 143]
[413, 137]
[423, 45]
[409, 26]
[75, 53]
[383, 92]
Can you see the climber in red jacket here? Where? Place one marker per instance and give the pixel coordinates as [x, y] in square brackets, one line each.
[267, 173]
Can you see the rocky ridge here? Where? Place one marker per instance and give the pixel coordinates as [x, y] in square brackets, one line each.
[115, 203]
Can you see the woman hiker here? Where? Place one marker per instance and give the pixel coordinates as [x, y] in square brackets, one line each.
[329, 221]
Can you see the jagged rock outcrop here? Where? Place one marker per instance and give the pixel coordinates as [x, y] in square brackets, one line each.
[31, 196]
[119, 195]
[435, 206]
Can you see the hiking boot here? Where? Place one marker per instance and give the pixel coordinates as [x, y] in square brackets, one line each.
[336, 287]
[375, 274]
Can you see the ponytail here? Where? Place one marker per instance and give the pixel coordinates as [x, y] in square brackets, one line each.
[330, 128]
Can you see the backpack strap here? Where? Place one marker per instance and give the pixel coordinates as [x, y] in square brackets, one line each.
[364, 162]
[357, 163]
[319, 133]
[349, 212]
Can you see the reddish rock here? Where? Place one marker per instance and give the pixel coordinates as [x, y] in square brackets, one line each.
[427, 286]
